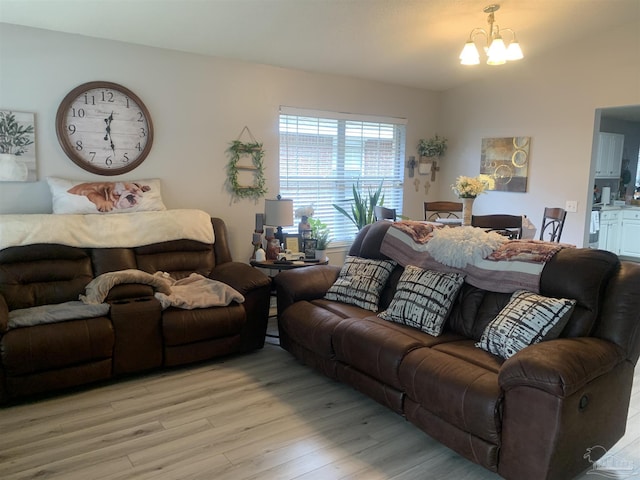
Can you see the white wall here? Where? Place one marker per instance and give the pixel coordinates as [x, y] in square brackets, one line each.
[553, 100]
[198, 105]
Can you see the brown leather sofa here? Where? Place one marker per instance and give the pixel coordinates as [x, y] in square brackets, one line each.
[135, 335]
[532, 416]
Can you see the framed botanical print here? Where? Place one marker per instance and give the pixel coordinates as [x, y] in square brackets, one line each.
[17, 147]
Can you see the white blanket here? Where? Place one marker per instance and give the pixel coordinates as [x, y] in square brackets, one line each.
[197, 291]
[456, 247]
[124, 230]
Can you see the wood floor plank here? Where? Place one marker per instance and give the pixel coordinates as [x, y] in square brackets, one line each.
[258, 416]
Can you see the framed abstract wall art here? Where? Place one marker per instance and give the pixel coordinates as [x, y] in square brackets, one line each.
[506, 160]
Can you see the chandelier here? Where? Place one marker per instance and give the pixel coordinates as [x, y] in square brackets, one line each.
[494, 47]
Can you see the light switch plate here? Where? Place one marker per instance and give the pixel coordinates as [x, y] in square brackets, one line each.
[571, 206]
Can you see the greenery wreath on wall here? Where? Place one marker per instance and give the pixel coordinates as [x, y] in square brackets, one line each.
[237, 150]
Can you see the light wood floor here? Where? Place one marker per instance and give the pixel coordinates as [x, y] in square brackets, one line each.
[258, 416]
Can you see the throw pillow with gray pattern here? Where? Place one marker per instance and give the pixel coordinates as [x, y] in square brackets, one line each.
[360, 282]
[528, 318]
[423, 299]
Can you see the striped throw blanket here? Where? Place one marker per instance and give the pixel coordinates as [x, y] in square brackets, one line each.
[508, 266]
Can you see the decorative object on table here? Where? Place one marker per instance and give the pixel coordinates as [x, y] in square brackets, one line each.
[272, 244]
[506, 160]
[252, 183]
[292, 242]
[309, 248]
[261, 255]
[256, 242]
[430, 151]
[278, 213]
[497, 52]
[104, 128]
[467, 189]
[362, 208]
[304, 228]
[320, 232]
[17, 147]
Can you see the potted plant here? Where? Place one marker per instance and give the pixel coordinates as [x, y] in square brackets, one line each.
[362, 208]
[320, 232]
[14, 140]
[433, 147]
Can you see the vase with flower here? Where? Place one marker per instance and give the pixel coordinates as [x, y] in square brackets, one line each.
[467, 189]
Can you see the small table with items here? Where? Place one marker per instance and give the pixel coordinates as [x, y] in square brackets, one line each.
[281, 265]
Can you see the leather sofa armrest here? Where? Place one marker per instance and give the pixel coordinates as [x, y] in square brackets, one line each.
[240, 276]
[4, 315]
[307, 283]
[561, 366]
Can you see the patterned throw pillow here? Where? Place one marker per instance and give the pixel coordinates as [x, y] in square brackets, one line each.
[74, 197]
[423, 299]
[360, 282]
[528, 318]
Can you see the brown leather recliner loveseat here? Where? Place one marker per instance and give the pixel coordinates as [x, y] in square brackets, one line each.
[532, 416]
[136, 334]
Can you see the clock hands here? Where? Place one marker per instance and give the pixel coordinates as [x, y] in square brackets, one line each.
[107, 135]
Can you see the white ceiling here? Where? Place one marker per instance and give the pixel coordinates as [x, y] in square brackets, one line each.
[405, 42]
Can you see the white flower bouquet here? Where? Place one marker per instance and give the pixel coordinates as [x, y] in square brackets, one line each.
[471, 187]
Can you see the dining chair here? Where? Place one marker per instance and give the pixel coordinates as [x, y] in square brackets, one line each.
[435, 210]
[507, 225]
[552, 223]
[383, 213]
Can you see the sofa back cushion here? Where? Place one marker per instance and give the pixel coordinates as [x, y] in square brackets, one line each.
[179, 258]
[41, 274]
[581, 274]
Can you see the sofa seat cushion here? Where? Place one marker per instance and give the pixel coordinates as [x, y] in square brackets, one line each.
[180, 327]
[377, 348]
[53, 346]
[343, 310]
[461, 393]
[310, 326]
[466, 350]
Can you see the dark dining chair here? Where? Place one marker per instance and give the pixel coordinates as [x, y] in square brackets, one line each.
[552, 223]
[507, 225]
[383, 213]
[435, 210]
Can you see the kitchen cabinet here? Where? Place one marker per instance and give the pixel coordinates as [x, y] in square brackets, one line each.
[609, 230]
[609, 158]
[630, 233]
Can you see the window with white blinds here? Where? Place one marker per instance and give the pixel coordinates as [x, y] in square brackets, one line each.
[323, 154]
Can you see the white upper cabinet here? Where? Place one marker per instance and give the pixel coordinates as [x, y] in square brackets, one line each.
[609, 158]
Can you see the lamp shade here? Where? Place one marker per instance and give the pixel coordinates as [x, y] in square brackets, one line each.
[278, 213]
[469, 54]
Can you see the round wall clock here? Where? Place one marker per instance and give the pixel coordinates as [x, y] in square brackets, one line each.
[104, 128]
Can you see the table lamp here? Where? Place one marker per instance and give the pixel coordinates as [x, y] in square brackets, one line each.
[278, 213]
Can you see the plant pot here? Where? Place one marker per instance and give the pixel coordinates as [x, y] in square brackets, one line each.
[12, 169]
[321, 254]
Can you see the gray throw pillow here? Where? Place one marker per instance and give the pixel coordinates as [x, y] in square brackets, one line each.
[423, 299]
[527, 319]
[360, 282]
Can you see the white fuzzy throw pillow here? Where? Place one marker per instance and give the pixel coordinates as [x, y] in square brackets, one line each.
[456, 247]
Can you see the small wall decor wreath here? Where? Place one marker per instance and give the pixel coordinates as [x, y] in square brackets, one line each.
[237, 150]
